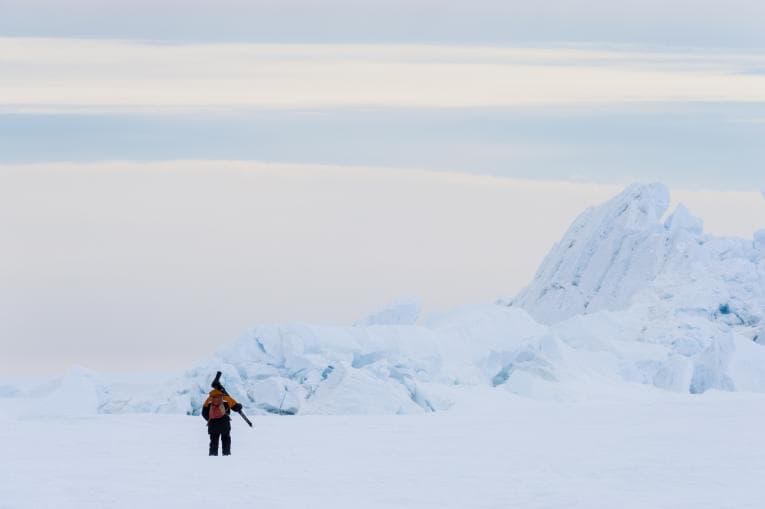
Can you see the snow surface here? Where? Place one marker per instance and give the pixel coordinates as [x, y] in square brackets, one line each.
[657, 450]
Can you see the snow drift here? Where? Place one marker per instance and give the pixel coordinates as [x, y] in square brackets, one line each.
[630, 295]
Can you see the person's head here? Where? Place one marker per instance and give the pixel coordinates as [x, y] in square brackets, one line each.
[216, 396]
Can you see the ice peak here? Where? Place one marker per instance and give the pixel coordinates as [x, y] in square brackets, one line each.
[640, 205]
[608, 254]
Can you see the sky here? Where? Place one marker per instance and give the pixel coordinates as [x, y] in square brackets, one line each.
[173, 173]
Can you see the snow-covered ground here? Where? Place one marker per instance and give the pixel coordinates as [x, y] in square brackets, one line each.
[493, 449]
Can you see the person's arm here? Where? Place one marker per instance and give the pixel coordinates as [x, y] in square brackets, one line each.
[206, 409]
[232, 403]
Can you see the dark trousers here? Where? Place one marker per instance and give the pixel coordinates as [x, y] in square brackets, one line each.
[215, 436]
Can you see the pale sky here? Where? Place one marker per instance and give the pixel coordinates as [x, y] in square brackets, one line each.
[174, 172]
[126, 265]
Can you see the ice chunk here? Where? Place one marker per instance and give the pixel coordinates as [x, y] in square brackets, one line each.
[710, 370]
[9, 391]
[79, 393]
[399, 312]
[682, 219]
[276, 395]
[759, 240]
[357, 391]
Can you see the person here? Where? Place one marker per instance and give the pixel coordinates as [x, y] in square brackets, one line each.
[216, 410]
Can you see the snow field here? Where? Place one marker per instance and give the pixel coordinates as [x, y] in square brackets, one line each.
[656, 450]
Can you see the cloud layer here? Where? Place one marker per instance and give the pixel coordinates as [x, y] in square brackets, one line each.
[108, 75]
[683, 23]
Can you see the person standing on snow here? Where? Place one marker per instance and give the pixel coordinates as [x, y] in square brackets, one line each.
[216, 411]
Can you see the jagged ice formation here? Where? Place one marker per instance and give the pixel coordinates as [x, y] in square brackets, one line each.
[626, 297]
